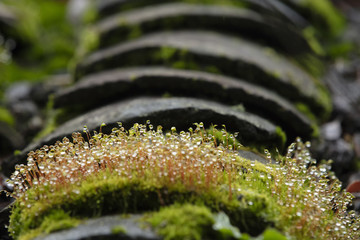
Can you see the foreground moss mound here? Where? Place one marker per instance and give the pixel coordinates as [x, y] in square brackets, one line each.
[144, 170]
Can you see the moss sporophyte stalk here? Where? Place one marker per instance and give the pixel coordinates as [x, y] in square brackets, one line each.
[148, 170]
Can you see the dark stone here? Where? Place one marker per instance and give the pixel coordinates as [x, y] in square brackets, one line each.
[18, 92]
[208, 51]
[104, 228]
[4, 221]
[10, 139]
[168, 112]
[281, 10]
[76, 11]
[105, 86]
[28, 118]
[8, 21]
[276, 8]
[356, 142]
[24, 110]
[10, 38]
[346, 98]
[174, 16]
[40, 92]
[252, 156]
[342, 154]
[331, 131]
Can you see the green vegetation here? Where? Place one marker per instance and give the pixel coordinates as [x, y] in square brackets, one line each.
[49, 41]
[182, 222]
[324, 11]
[144, 170]
[118, 230]
[5, 116]
[55, 220]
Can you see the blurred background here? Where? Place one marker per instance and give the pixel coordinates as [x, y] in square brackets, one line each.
[42, 43]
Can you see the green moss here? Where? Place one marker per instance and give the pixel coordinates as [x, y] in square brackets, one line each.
[303, 108]
[51, 119]
[89, 41]
[91, 14]
[6, 116]
[118, 230]
[48, 38]
[135, 32]
[224, 137]
[310, 35]
[273, 234]
[335, 22]
[312, 64]
[166, 53]
[282, 137]
[213, 69]
[340, 49]
[55, 220]
[142, 170]
[178, 222]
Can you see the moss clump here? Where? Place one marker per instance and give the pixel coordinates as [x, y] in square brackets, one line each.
[143, 170]
[118, 230]
[326, 14]
[182, 222]
[55, 220]
[6, 116]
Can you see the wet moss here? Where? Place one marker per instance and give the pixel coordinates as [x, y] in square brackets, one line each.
[55, 220]
[178, 222]
[118, 230]
[143, 170]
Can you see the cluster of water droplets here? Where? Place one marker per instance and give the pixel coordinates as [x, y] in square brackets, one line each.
[312, 198]
[189, 158]
[308, 193]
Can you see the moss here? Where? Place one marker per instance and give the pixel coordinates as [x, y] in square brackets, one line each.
[166, 95]
[340, 49]
[178, 222]
[51, 119]
[312, 64]
[324, 9]
[55, 220]
[213, 69]
[282, 137]
[135, 32]
[88, 41]
[118, 230]
[309, 34]
[303, 108]
[273, 234]
[6, 116]
[91, 14]
[142, 170]
[223, 137]
[166, 53]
